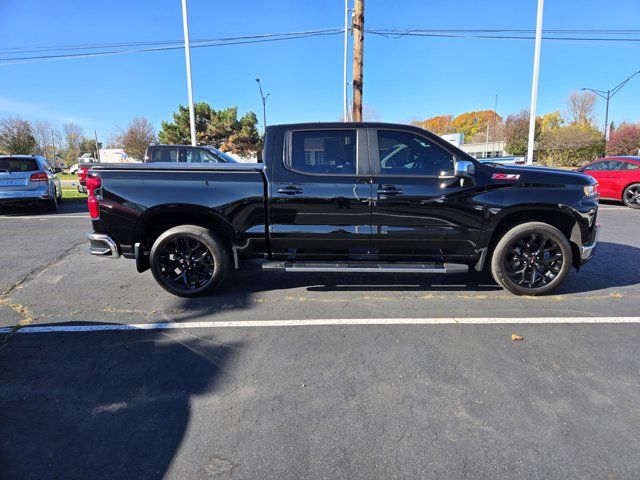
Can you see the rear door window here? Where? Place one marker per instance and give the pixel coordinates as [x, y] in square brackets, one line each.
[323, 152]
[18, 164]
[164, 155]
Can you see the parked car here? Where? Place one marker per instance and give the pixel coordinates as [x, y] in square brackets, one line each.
[29, 179]
[186, 154]
[323, 201]
[618, 178]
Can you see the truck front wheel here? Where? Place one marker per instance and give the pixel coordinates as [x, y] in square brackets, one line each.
[189, 260]
[532, 258]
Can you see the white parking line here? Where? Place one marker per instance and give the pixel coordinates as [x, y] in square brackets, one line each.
[37, 217]
[317, 323]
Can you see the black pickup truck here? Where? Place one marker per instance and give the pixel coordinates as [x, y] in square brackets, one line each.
[345, 197]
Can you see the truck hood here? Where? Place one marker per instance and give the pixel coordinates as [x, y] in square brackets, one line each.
[544, 175]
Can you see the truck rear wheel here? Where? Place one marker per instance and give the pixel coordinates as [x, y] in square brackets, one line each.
[532, 258]
[189, 260]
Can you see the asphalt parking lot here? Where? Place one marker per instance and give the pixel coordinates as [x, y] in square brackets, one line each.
[242, 387]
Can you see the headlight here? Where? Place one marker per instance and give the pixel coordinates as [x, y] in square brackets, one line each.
[591, 190]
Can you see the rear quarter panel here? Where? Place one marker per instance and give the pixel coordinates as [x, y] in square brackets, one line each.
[132, 201]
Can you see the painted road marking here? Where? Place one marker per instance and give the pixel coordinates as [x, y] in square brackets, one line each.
[317, 323]
[38, 217]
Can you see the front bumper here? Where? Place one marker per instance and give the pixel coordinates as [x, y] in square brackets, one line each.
[103, 245]
[588, 250]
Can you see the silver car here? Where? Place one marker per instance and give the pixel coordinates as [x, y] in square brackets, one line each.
[29, 179]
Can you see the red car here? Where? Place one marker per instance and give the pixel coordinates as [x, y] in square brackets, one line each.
[618, 178]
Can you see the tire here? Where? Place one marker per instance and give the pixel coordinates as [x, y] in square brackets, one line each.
[532, 258]
[189, 260]
[52, 205]
[631, 196]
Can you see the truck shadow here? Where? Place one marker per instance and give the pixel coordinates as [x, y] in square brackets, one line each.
[613, 266]
[102, 404]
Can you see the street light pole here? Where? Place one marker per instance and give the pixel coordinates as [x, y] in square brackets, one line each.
[264, 106]
[534, 85]
[187, 55]
[608, 95]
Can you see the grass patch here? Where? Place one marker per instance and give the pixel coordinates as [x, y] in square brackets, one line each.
[67, 176]
[72, 194]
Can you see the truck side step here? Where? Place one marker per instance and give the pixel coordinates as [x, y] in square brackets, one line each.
[367, 267]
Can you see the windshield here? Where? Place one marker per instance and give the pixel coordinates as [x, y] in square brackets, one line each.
[223, 156]
[11, 165]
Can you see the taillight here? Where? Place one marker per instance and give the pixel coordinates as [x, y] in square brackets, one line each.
[93, 183]
[39, 177]
[82, 175]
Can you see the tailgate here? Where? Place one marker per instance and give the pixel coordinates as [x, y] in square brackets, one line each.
[17, 181]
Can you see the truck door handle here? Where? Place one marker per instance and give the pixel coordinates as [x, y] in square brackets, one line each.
[290, 190]
[389, 190]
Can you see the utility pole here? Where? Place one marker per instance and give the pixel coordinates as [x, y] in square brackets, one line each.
[534, 84]
[187, 55]
[95, 136]
[607, 95]
[345, 83]
[358, 58]
[264, 107]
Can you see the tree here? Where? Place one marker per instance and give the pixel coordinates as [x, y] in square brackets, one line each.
[550, 121]
[137, 137]
[16, 136]
[42, 130]
[516, 133]
[624, 140]
[570, 146]
[219, 128]
[473, 123]
[88, 145]
[72, 141]
[582, 108]
[440, 124]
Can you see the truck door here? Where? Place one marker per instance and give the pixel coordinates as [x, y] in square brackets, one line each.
[320, 194]
[420, 210]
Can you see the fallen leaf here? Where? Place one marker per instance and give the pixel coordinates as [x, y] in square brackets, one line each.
[516, 337]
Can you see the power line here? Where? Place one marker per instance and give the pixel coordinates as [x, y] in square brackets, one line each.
[167, 45]
[389, 32]
[29, 59]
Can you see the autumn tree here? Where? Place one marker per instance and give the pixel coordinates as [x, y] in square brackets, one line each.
[570, 146]
[16, 136]
[474, 123]
[582, 107]
[550, 121]
[516, 133]
[137, 136]
[440, 125]
[624, 140]
[73, 137]
[219, 128]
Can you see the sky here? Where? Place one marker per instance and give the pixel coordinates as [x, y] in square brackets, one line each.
[405, 78]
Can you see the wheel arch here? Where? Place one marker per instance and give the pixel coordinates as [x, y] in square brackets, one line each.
[561, 218]
[157, 221]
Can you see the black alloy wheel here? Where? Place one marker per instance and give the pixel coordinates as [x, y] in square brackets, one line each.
[631, 196]
[186, 263]
[533, 260]
[189, 260]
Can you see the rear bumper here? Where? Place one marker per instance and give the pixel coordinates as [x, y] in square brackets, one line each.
[103, 245]
[587, 251]
[18, 196]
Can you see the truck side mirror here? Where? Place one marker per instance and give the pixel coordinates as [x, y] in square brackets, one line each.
[464, 169]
